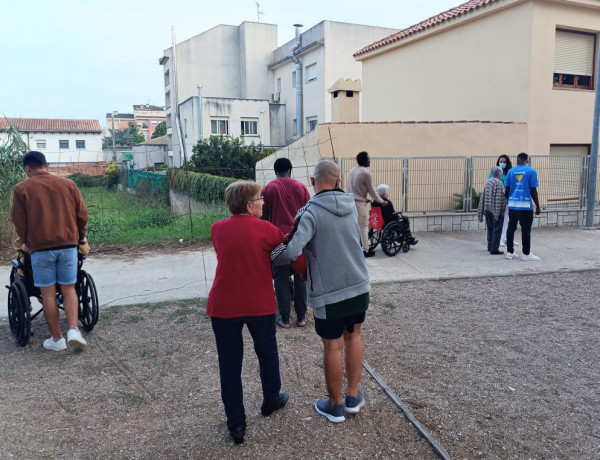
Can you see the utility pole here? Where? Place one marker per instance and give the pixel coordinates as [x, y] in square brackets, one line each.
[591, 192]
[259, 13]
[112, 116]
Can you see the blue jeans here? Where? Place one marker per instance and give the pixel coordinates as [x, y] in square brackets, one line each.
[281, 275]
[494, 230]
[230, 348]
[525, 218]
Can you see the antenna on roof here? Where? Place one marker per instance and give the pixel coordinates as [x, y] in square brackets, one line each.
[259, 13]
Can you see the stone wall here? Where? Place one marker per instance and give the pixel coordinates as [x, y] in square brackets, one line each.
[455, 222]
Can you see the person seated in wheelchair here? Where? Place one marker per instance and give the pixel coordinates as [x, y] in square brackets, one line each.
[389, 214]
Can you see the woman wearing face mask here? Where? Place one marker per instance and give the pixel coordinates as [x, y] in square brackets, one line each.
[504, 162]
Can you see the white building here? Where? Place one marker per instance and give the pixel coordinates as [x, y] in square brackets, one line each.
[61, 141]
[247, 84]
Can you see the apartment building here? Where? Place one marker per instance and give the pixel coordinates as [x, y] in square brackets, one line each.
[248, 87]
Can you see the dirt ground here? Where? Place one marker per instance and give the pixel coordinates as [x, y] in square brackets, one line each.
[493, 368]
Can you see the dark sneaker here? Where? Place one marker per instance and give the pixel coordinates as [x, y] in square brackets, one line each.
[354, 403]
[496, 252]
[333, 414]
[268, 408]
[369, 254]
[413, 241]
[237, 433]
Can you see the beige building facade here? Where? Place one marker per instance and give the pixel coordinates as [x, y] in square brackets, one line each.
[496, 60]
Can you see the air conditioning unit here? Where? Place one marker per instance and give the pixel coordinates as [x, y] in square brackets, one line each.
[275, 96]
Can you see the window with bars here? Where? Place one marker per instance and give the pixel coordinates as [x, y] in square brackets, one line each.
[80, 144]
[573, 59]
[40, 143]
[219, 126]
[311, 123]
[63, 144]
[311, 73]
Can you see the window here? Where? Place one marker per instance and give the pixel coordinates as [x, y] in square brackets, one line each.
[311, 72]
[349, 93]
[185, 128]
[335, 94]
[167, 80]
[63, 144]
[144, 125]
[294, 79]
[40, 143]
[219, 127]
[311, 123]
[573, 59]
[79, 144]
[168, 99]
[279, 85]
[249, 127]
[169, 121]
[154, 123]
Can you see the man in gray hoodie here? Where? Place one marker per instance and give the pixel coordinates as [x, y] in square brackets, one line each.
[326, 230]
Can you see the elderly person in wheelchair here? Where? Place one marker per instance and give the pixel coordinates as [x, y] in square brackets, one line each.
[389, 227]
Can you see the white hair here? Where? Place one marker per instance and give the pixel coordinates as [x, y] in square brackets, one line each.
[382, 189]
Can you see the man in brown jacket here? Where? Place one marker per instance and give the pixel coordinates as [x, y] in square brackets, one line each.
[50, 217]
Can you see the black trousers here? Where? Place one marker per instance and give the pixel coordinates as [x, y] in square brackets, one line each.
[525, 218]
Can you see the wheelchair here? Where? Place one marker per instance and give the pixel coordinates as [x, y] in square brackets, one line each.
[21, 288]
[394, 237]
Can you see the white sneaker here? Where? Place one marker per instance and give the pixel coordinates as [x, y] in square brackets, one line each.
[50, 344]
[515, 243]
[74, 335]
[510, 255]
[503, 243]
[530, 256]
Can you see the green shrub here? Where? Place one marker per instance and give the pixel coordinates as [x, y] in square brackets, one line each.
[459, 199]
[85, 180]
[204, 188]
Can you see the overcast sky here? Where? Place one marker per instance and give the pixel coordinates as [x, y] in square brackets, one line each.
[84, 58]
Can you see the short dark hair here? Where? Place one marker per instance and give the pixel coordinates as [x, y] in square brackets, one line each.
[35, 160]
[362, 158]
[282, 165]
[522, 157]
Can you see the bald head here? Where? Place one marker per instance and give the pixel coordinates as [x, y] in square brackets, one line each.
[326, 176]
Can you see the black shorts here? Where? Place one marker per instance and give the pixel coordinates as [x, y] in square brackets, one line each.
[334, 328]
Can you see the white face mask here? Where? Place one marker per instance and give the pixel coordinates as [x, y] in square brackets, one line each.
[503, 165]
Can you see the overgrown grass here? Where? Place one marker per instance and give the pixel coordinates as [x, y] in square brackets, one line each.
[120, 217]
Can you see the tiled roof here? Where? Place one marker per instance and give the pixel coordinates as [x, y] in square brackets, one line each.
[427, 24]
[161, 140]
[51, 125]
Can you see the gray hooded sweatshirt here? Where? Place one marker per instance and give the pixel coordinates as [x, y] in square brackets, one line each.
[328, 233]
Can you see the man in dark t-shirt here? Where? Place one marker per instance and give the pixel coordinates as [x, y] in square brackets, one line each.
[283, 197]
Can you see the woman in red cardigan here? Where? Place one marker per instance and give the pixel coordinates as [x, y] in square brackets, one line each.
[242, 293]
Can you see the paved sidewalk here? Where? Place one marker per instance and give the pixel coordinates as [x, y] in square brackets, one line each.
[123, 280]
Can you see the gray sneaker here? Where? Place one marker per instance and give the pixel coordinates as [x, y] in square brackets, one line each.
[333, 414]
[354, 403]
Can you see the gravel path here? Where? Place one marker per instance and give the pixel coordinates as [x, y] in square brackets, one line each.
[492, 367]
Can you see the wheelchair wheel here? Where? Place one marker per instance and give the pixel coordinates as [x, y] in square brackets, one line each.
[19, 316]
[88, 300]
[374, 237]
[392, 239]
[405, 247]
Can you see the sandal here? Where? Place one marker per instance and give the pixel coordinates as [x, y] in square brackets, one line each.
[302, 322]
[280, 323]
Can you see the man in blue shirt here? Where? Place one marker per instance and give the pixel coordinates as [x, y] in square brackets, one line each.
[521, 188]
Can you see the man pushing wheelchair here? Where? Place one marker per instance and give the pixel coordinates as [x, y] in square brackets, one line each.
[50, 218]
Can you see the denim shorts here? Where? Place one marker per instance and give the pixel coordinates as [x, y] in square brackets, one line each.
[54, 266]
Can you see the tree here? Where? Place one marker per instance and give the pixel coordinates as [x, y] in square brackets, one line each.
[161, 130]
[124, 138]
[226, 156]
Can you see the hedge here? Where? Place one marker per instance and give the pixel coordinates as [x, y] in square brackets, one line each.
[84, 180]
[203, 187]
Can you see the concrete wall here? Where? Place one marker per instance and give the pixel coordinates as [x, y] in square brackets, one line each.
[421, 139]
[145, 156]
